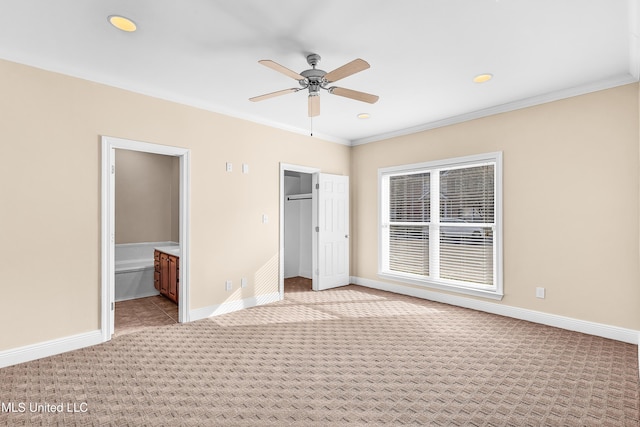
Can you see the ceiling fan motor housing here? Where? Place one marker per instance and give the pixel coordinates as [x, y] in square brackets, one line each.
[314, 80]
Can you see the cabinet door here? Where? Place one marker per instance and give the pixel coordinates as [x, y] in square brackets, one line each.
[156, 261]
[177, 279]
[156, 280]
[156, 270]
[164, 273]
[172, 291]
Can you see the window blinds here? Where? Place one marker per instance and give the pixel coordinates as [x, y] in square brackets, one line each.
[447, 238]
[466, 218]
[409, 216]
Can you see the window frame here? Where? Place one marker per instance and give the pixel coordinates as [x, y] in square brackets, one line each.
[495, 291]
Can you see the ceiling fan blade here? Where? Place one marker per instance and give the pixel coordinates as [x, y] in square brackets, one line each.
[354, 94]
[281, 69]
[273, 94]
[314, 105]
[346, 70]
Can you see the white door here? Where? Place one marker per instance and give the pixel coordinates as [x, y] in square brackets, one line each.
[332, 231]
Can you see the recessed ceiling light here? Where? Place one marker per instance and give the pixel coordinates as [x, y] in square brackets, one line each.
[122, 23]
[364, 115]
[481, 78]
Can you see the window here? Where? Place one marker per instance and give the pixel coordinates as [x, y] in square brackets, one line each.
[440, 224]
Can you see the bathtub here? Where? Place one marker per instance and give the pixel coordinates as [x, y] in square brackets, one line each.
[134, 270]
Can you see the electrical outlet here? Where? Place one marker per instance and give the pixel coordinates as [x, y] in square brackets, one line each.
[540, 293]
[229, 166]
[245, 168]
[265, 219]
[228, 285]
[243, 282]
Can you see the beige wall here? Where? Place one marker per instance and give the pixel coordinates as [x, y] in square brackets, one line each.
[571, 182]
[571, 198]
[146, 204]
[50, 216]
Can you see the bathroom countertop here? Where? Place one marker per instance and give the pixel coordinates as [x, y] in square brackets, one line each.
[171, 250]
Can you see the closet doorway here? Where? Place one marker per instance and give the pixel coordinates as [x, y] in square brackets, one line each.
[329, 227]
[298, 228]
[297, 217]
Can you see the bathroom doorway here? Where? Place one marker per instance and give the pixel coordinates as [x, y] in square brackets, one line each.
[141, 251]
[147, 214]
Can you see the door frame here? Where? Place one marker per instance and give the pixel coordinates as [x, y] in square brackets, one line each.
[109, 144]
[314, 221]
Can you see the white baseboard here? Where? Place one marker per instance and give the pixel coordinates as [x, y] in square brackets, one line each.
[228, 307]
[305, 273]
[598, 329]
[49, 348]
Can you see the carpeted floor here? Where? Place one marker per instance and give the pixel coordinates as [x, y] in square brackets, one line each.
[349, 356]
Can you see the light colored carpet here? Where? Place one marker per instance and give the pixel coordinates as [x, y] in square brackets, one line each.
[350, 356]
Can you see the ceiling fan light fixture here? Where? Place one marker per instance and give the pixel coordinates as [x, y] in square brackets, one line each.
[482, 78]
[122, 23]
[364, 116]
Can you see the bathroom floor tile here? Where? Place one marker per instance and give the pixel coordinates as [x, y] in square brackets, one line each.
[137, 314]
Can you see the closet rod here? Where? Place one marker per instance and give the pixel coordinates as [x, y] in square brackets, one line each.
[299, 197]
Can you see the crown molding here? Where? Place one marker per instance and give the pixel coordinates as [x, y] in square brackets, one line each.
[504, 108]
[634, 38]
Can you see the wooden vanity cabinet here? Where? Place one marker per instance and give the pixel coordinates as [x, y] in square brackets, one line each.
[173, 278]
[166, 275]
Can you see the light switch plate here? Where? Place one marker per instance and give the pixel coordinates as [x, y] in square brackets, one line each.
[245, 168]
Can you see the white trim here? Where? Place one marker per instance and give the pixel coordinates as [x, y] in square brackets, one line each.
[442, 285]
[49, 348]
[495, 291]
[229, 307]
[159, 93]
[592, 328]
[634, 38]
[505, 108]
[108, 224]
[302, 169]
[620, 80]
[184, 237]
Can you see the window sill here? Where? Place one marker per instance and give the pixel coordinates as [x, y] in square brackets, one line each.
[490, 294]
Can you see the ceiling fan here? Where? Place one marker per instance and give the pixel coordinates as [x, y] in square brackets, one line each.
[315, 79]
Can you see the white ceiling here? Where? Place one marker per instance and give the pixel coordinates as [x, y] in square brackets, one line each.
[423, 54]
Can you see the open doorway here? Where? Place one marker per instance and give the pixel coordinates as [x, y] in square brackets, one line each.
[329, 227]
[298, 231]
[297, 218]
[181, 250]
[147, 194]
